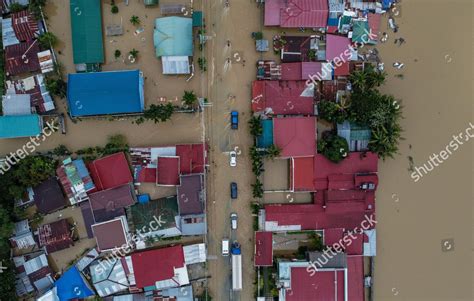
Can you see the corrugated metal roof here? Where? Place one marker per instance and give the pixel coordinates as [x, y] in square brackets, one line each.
[25, 25]
[305, 13]
[16, 104]
[22, 58]
[175, 64]
[173, 36]
[20, 126]
[8, 34]
[86, 28]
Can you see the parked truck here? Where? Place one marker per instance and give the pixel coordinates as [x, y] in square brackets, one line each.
[236, 267]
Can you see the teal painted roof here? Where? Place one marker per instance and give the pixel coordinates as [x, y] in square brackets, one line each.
[173, 36]
[361, 32]
[266, 139]
[16, 126]
[197, 18]
[86, 28]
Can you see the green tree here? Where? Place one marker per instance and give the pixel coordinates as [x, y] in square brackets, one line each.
[189, 98]
[256, 128]
[116, 143]
[47, 40]
[273, 151]
[61, 150]
[367, 79]
[257, 189]
[157, 113]
[16, 7]
[117, 53]
[56, 86]
[33, 170]
[384, 140]
[135, 20]
[114, 9]
[134, 53]
[333, 147]
[202, 62]
[331, 111]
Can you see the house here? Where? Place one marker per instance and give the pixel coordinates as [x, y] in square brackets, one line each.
[16, 104]
[34, 272]
[105, 93]
[173, 40]
[22, 236]
[296, 13]
[160, 268]
[194, 254]
[5, 4]
[295, 136]
[182, 159]
[357, 136]
[301, 174]
[338, 48]
[87, 259]
[263, 255]
[55, 236]
[35, 87]
[48, 196]
[283, 98]
[332, 283]
[75, 180]
[112, 234]
[108, 277]
[19, 126]
[157, 218]
[111, 203]
[86, 29]
[22, 26]
[266, 139]
[22, 58]
[110, 171]
[71, 286]
[190, 194]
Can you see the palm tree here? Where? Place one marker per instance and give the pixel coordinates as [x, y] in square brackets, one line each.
[189, 98]
[48, 39]
[257, 189]
[135, 20]
[117, 53]
[273, 151]
[134, 53]
[256, 128]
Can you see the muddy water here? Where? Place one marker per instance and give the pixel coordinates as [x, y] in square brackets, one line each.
[415, 217]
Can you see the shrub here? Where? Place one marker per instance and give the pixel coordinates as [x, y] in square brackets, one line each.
[333, 147]
[117, 53]
[47, 40]
[114, 9]
[56, 86]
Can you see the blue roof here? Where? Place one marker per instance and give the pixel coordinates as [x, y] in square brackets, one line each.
[71, 285]
[173, 36]
[16, 126]
[105, 93]
[266, 139]
[386, 4]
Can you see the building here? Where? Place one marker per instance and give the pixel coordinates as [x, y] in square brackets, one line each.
[357, 136]
[263, 249]
[35, 87]
[20, 27]
[173, 39]
[296, 13]
[16, 104]
[160, 268]
[191, 195]
[55, 236]
[33, 273]
[75, 180]
[295, 136]
[112, 234]
[105, 93]
[22, 236]
[111, 203]
[86, 29]
[283, 97]
[48, 196]
[71, 285]
[108, 277]
[20, 126]
[22, 58]
[110, 171]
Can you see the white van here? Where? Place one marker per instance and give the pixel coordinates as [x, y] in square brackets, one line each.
[225, 247]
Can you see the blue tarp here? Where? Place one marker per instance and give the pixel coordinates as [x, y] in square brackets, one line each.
[386, 4]
[143, 198]
[266, 139]
[71, 285]
[105, 93]
[16, 126]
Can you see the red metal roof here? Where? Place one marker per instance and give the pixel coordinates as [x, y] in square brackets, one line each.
[291, 71]
[310, 68]
[156, 265]
[304, 13]
[374, 23]
[333, 236]
[110, 171]
[356, 245]
[272, 12]
[355, 268]
[282, 97]
[192, 158]
[55, 236]
[301, 178]
[263, 249]
[16, 63]
[110, 234]
[110, 203]
[168, 171]
[25, 25]
[342, 70]
[327, 285]
[295, 136]
[337, 47]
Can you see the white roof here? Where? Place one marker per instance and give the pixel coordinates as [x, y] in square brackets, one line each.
[194, 253]
[370, 247]
[35, 264]
[175, 64]
[16, 104]
[49, 296]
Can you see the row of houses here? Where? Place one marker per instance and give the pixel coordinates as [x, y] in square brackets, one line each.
[285, 96]
[112, 210]
[26, 64]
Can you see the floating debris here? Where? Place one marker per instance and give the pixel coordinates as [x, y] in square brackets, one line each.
[398, 65]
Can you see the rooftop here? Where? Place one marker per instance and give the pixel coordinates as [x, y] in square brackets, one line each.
[55, 236]
[263, 249]
[190, 196]
[111, 234]
[173, 36]
[110, 171]
[105, 93]
[168, 171]
[20, 126]
[49, 196]
[22, 58]
[110, 203]
[295, 136]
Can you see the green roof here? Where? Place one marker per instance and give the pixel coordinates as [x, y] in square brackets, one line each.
[197, 18]
[361, 32]
[16, 126]
[86, 28]
[164, 209]
[173, 36]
